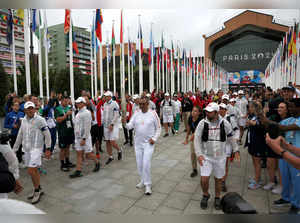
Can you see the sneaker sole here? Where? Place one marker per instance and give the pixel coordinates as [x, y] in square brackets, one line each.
[42, 193]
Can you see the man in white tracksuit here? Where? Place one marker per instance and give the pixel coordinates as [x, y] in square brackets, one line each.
[110, 120]
[33, 135]
[167, 113]
[241, 104]
[211, 136]
[83, 138]
[147, 130]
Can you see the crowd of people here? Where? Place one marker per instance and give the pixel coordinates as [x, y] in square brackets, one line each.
[214, 124]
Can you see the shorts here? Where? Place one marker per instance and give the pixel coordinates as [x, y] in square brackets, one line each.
[242, 122]
[168, 118]
[33, 158]
[87, 148]
[111, 135]
[65, 141]
[215, 166]
[228, 150]
[97, 133]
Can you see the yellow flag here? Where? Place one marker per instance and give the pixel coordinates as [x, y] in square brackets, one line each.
[20, 13]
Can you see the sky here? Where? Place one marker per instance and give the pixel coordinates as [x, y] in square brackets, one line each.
[185, 27]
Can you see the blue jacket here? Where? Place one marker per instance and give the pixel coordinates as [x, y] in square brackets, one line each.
[13, 118]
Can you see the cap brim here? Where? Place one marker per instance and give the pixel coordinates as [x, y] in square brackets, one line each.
[209, 109]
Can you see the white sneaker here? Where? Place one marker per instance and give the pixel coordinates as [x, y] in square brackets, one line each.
[277, 189]
[140, 185]
[148, 190]
[36, 197]
[269, 186]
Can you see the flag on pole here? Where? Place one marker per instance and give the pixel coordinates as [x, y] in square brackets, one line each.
[150, 48]
[20, 13]
[290, 40]
[113, 39]
[74, 43]
[121, 29]
[9, 28]
[294, 43]
[36, 22]
[132, 55]
[140, 37]
[67, 21]
[98, 23]
[47, 43]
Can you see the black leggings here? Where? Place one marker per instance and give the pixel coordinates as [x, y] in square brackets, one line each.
[19, 153]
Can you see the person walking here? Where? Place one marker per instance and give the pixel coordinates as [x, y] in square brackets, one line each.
[167, 114]
[33, 134]
[146, 125]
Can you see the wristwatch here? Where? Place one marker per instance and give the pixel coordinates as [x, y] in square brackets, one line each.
[83, 138]
[282, 152]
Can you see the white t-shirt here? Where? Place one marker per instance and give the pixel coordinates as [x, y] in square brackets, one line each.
[177, 106]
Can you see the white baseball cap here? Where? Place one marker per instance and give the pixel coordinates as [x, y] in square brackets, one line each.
[222, 105]
[240, 92]
[225, 96]
[232, 100]
[148, 95]
[108, 93]
[80, 100]
[167, 94]
[29, 104]
[134, 97]
[212, 107]
[234, 93]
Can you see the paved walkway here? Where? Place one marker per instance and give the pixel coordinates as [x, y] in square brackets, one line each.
[112, 190]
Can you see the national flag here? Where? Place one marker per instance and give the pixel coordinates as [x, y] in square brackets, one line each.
[20, 13]
[150, 48]
[162, 41]
[74, 43]
[132, 55]
[121, 29]
[98, 23]
[93, 36]
[140, 37]
[36, 22]
[47, 43]
[113, 39]
[294, 43]
[289, 42]
[9, 28]
[108, 52]
[67, 21]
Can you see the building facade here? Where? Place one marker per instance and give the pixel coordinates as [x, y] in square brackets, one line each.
[5, 49]
[58, 55]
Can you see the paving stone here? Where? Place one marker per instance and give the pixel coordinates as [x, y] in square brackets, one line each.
[177, 200]
[187, 186]
[138, 211]
[163, 210]
[102, 183]
[164, 186]
[119, 205]
[112, 192]
[194, 208]
[79, 183]
[151, 202]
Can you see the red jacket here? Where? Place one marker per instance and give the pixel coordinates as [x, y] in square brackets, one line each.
[129, 106]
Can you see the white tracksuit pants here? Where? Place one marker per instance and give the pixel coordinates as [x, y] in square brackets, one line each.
[143, 153]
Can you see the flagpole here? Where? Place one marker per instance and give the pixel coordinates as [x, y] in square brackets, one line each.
[128, 62]
[132, 85]
[172, 72]
[91, 59]
[140, 59]
[163, 66]
[107, 61]
[13, 53]
[46, 54]
[26, 49]
[95, 65]
[40, 58]
[114, 62]
[178, 75]
[101, 69]
[159, 68]
[71, 60]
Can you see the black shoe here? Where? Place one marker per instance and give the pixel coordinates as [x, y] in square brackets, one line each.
[76, 174]
[120, 155]
[64, 168]
[109, 160]
[173, 131]
[194, 173]
[167, 134]
[130, 144]
[224, 188]
[97, 167]
[281, 202]
[203, 203]
[125, 143]
[294, 210]
[217, 203]
[70, 165]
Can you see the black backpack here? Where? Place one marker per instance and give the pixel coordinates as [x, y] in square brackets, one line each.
[7, 179]
[206, 129]
[170, 103]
